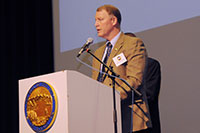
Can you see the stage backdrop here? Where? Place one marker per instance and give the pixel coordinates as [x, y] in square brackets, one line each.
[170, 30]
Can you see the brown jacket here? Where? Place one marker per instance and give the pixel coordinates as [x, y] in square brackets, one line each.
[132, 71]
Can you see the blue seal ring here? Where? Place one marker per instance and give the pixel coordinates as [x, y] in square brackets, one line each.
[51, 119]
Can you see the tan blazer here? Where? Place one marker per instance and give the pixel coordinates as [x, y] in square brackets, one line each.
[132, 71]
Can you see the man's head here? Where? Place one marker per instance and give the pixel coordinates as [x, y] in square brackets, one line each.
[107, 21]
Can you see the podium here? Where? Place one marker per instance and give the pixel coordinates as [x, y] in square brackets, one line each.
[66, 102]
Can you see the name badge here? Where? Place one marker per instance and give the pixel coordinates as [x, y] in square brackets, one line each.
[119, 59]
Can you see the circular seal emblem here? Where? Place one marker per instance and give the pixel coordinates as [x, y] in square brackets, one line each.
[41, 107]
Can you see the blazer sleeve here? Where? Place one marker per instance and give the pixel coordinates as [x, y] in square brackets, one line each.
[136, 55]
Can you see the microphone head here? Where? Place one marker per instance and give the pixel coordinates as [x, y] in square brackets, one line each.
[90, 40]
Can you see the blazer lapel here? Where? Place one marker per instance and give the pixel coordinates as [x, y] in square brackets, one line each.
[100, 55]
[116, 48]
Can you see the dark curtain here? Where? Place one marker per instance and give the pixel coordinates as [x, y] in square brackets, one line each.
[26, 50]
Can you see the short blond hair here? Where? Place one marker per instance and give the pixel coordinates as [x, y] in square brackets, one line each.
[111, 10]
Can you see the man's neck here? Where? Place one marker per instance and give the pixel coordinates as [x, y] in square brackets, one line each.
[113, 34]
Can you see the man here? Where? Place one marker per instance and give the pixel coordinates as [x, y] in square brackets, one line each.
[133, 53]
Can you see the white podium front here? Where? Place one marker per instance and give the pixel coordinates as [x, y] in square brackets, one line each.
[83, 104]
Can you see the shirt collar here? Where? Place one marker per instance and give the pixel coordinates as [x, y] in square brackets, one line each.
[114, 40]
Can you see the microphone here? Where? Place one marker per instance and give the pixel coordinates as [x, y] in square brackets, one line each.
[85, 46]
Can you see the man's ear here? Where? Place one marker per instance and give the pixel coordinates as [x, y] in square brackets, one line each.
[114, 20]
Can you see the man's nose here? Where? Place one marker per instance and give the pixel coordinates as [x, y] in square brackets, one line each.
[96, 24]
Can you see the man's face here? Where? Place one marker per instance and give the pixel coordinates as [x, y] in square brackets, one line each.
[103, 23]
